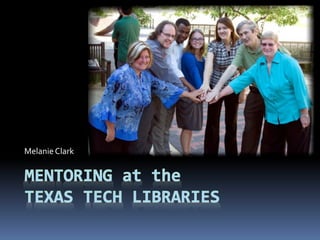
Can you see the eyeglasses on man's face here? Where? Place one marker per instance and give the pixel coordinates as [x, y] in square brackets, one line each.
[168, 35]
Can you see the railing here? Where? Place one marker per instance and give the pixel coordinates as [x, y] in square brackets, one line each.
[303, 52]
[207, 29]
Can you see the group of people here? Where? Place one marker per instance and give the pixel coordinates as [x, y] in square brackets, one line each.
[162, 76]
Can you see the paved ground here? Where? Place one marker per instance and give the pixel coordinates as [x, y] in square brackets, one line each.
[198, 136]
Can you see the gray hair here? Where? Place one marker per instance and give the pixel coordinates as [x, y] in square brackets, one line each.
[270, 35]
[252, 25]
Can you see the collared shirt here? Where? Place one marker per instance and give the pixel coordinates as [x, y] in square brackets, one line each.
[246, 57]
[175, 52]
[160, 66]
[124, 99]
[222, 59]
[284, 89]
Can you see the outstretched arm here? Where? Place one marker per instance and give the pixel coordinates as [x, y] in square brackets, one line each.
[228, 73]
[106, 30]
[225, 92]
[194, 95]
[208, 69]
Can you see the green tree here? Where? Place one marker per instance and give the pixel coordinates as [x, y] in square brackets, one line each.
[282, 15]
[101, 12]
[144, 18]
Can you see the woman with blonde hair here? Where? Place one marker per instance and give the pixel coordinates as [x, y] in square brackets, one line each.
[114, 120]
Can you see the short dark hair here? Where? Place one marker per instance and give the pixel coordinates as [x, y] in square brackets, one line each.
[126, 9]
[182, 21]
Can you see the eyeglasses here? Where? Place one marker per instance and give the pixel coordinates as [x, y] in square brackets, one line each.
[197, 39]
[267, 44]
[169, 35]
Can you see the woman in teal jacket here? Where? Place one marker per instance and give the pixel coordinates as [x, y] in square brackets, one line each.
[281, 83]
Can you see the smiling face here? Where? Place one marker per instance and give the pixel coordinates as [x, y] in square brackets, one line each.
[167, 35]
[248, 36]
[142, 62]
[269, 47]
[196, 40]
[223, 31]
[183, 32]
[269, 44]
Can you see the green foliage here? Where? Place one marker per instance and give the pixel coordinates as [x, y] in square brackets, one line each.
[282, 15]
[100, 12]
[187, 12]
[144, 18]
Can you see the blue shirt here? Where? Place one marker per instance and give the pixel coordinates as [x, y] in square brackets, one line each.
[192, 69]
[124, 99]
[284, 89]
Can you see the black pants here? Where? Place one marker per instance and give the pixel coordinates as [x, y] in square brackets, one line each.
[115, 54]
[98, 145]
[275, 138]
[213, 131]
[144, 143]
[253, 118]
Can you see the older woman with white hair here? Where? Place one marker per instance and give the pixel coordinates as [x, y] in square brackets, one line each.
[282, 85]
[114, 120]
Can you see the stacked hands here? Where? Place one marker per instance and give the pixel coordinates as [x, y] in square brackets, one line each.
[204, 93]
[212, 95]
[209, 95]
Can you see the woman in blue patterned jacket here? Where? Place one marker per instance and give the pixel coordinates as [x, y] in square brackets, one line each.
[114, 121]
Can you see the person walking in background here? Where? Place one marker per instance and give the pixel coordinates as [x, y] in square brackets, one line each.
[220, 54]
[126, 31]
[156, 119]
[114, 121]
[109, 29]
[281, 82]
[246, 56]
[189, 115]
